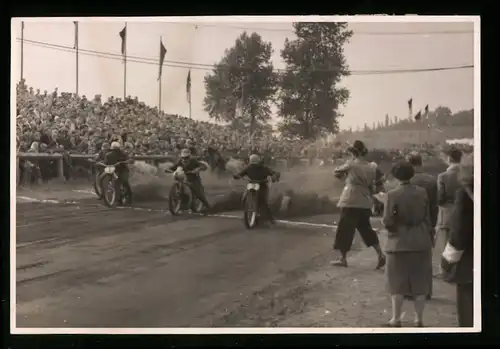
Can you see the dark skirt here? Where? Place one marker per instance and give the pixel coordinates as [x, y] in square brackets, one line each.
[409, 273]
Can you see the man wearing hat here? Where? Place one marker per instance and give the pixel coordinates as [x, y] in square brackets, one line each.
[447, 185]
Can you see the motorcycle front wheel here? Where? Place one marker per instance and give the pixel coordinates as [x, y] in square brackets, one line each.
[250, 210]
[110, 195]
[179, 198]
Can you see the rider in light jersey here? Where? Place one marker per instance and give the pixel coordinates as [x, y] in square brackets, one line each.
[258, 172]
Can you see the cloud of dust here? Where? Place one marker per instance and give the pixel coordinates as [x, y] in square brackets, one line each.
[305, 186]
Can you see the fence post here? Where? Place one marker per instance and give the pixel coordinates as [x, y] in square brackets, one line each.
[60, 168]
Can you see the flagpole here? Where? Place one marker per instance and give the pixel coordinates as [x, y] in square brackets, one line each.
[159, 80]
[22, 50]
[76, 47]
[189, 94]
[125, 64]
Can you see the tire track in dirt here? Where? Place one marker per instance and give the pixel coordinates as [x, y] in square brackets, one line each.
[95, 271]
[139, 251]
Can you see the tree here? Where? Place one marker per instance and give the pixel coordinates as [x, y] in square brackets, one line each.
[387, 122]
[315, 63]
[442, 115]
[243, 79]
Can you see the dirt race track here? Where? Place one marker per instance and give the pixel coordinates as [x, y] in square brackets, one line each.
[79, 264]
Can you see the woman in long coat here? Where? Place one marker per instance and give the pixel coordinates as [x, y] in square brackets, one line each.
[409, 244]
[362, 181]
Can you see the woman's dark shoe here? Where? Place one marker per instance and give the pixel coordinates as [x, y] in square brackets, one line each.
[381, 263]
[392, 324]
[340, 263]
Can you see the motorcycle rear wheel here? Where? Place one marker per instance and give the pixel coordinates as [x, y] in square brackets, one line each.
[250, 210]
[97, 186]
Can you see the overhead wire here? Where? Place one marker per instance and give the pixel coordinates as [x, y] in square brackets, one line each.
[211, 67]
[355, 32]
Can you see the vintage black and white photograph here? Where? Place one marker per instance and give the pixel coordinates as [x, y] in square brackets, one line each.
[245, 174]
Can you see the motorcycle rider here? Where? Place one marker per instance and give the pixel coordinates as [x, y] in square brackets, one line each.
[115, 155]
[258, 172]
[192, 168]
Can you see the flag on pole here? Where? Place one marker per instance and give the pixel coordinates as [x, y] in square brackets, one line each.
[163, 52]
[76, 35]
[123, 35]
[418, 116]
[188, 87]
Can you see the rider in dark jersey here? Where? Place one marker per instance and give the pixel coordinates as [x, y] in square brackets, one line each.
[114, 156]
[192, 168]
[258, 172]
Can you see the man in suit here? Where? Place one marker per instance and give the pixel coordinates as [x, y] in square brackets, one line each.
[447, 184]
[428, 182]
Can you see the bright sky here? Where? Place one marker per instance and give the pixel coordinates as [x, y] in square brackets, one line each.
[424, 45]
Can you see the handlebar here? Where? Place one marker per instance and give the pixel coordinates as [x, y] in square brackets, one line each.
[262, 181]
[118, 163]
[172, 171]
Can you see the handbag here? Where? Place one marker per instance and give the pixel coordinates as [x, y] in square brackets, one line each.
[449, 271]
[449, 265]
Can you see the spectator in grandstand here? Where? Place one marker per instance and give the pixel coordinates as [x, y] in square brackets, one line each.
[409, 244]
[458, 256]
[447, 184]
[356, 204]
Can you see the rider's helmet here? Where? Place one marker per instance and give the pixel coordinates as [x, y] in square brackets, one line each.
[185, 154]
[254, 159]
[115, 145]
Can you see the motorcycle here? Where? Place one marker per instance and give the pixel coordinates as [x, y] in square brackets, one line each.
[180, 196]
[113, 191]
[251, 209]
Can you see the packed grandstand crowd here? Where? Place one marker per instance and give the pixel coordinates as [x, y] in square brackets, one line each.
[67, 123]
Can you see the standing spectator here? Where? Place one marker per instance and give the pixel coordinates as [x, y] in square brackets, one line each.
[428, 182]
[447, 184]
[409, 244]
[356, 204]
[458, 257]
